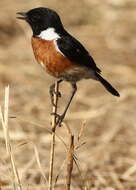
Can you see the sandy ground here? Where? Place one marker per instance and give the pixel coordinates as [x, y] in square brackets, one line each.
[107, 160]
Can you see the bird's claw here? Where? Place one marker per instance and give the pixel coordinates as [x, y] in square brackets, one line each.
[58, 94]
[59, 118]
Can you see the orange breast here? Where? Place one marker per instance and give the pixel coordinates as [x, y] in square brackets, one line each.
[46, 54]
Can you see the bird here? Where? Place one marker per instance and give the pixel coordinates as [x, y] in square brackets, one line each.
[60, 54]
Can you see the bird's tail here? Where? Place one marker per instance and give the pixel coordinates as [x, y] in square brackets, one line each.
[107, 85]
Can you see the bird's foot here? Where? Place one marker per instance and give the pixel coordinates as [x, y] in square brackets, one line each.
[59, 118]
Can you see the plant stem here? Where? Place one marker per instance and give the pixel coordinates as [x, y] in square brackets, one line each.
[53, 126]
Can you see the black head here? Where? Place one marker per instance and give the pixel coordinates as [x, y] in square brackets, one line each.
[40, 19]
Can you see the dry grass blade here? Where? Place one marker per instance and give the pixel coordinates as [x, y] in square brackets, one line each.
[6, 104]
[54, 110]
[70, 162]
[81, 130]
[68, 129]
[47, 129]
[57, 176]
[115, 179]
[100, 178]
[4, 120]
[129, 172]
[80, 145]
[39, 163]
[82, 181]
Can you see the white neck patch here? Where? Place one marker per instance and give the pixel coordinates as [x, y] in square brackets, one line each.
[49, 34]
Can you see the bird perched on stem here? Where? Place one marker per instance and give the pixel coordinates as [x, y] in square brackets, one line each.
[60, 54]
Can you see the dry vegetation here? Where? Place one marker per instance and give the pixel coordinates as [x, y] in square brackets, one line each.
[107, 160]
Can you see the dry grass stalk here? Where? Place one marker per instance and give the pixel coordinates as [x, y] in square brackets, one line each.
[39, 163]
[70, 161]
[81, 130]
[59, 172]
[80, 134]
[40, 126]
[80, 173]
[129, 172]
[4, 120]
[116, 179]
[54, 117]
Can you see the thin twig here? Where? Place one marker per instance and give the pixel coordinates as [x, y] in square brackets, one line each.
[70, 162]
[39, 163]
[115, 179]
[68, 129]
[80, 173]
[59, 172]
[129, 172]
[47, 129]
[81, 130]
[4, 120]
[54, 117]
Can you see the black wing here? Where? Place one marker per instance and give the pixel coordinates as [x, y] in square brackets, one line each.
[76, 52]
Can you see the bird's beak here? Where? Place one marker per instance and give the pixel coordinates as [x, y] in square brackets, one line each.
[23, 15]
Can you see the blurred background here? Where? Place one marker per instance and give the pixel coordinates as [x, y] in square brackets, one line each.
[107, 28]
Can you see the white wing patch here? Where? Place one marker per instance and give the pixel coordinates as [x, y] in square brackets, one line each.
[49, 34]
[57, 48]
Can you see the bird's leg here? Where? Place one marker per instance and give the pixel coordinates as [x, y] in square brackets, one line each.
[52, 92]
[61, 117]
